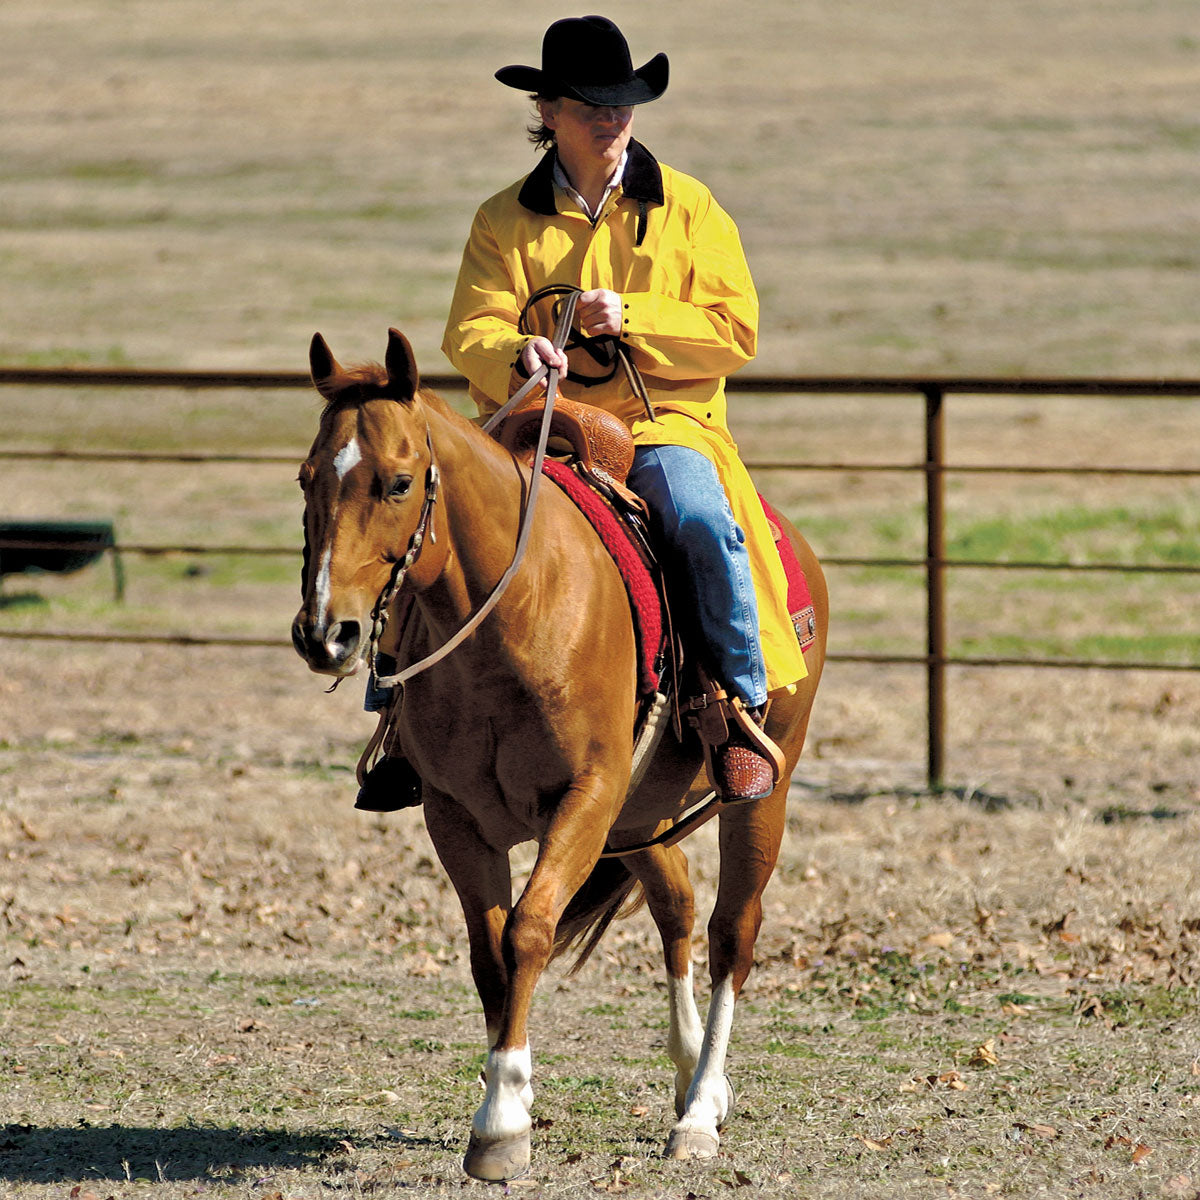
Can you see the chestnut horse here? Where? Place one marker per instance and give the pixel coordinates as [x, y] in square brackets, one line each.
[524, 731]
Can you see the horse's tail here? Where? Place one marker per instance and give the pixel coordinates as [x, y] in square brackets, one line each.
[610, 891]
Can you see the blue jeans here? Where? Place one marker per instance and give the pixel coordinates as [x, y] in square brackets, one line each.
[707, 557]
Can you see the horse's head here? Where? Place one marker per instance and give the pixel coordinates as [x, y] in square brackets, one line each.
[364, 484]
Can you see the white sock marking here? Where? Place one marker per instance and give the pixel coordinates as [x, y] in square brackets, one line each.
[708, 1096]
[504, 1112]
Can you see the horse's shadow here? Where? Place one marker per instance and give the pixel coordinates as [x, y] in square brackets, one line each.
[56, 1154]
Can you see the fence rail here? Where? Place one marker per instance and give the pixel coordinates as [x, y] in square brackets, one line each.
[934, 467]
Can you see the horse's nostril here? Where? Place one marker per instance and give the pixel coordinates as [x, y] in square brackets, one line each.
[298, 638]
[342, 640]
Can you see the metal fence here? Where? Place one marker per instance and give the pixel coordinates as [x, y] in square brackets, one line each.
[933, 563]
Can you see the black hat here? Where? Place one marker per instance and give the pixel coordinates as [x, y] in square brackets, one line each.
[587, 58]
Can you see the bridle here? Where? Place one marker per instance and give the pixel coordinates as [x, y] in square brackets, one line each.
[564, 317]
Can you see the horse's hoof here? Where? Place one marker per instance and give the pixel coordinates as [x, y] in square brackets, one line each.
[691, 1143]
[496, 1162]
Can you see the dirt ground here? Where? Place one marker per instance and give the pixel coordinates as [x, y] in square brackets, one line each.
[222, 980]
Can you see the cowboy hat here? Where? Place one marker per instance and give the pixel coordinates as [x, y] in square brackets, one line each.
[587, 58]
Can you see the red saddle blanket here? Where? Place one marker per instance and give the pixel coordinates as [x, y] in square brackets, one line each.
[644, 598]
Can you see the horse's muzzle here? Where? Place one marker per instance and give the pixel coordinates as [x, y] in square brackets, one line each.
[336, 650]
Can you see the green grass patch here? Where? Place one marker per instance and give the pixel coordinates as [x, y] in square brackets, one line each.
[1164, 535]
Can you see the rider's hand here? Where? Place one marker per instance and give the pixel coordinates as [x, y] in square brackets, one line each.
[599, 312]
[541, 350]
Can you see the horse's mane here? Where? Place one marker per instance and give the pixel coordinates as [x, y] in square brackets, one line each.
[352, 386]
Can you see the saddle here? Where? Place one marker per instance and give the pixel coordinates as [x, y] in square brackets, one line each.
[739, 758]
[599, 443]
[594, 451]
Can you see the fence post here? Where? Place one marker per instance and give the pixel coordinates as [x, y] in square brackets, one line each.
[935, 585]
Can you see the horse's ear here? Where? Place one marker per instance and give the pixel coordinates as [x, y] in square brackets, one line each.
[322, 364]
[403, 379]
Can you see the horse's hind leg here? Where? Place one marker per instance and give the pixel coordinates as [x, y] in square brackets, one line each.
[750, 837]
[663, 874]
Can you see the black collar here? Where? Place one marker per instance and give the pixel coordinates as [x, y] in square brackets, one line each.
[641, 181]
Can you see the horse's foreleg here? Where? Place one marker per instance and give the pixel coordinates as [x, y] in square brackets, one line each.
[750, 838]
[499, 1147]
[481, 877]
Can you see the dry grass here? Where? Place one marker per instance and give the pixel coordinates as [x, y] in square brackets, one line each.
[221, 979]
[996, 189]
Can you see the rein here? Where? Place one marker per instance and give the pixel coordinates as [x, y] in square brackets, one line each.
[565, 316]
[606, 350]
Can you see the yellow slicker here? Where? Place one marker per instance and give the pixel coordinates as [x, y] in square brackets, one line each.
[690, 319]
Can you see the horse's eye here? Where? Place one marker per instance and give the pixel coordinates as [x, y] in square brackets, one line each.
[400, 488]
[305, 477]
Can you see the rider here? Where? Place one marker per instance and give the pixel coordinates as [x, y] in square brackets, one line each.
[663, 275]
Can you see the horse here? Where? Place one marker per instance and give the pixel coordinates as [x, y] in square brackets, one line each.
[525, 731]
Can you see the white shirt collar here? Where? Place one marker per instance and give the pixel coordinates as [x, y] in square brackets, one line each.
[614, 182]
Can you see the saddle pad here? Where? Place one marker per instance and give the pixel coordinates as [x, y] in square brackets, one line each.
[643, 595]
[799, 598]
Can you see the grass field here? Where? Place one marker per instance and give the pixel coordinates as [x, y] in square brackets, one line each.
[222, 981]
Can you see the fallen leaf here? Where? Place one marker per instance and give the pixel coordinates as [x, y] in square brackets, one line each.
[942, 939]
[1141, 1152]
[871, 1144]
[1044, 1131]
[639, 1110]
[985, 1055]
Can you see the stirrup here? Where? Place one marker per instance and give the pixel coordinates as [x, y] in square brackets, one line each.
[386, 781]
[391, 784]
[742, 762]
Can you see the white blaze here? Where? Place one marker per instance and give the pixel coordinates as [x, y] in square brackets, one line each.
[323, 588]
[347, 458]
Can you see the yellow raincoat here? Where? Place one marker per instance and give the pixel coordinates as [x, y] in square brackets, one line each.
[691, 318]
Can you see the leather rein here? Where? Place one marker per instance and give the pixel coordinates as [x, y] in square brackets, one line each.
[565, 316]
